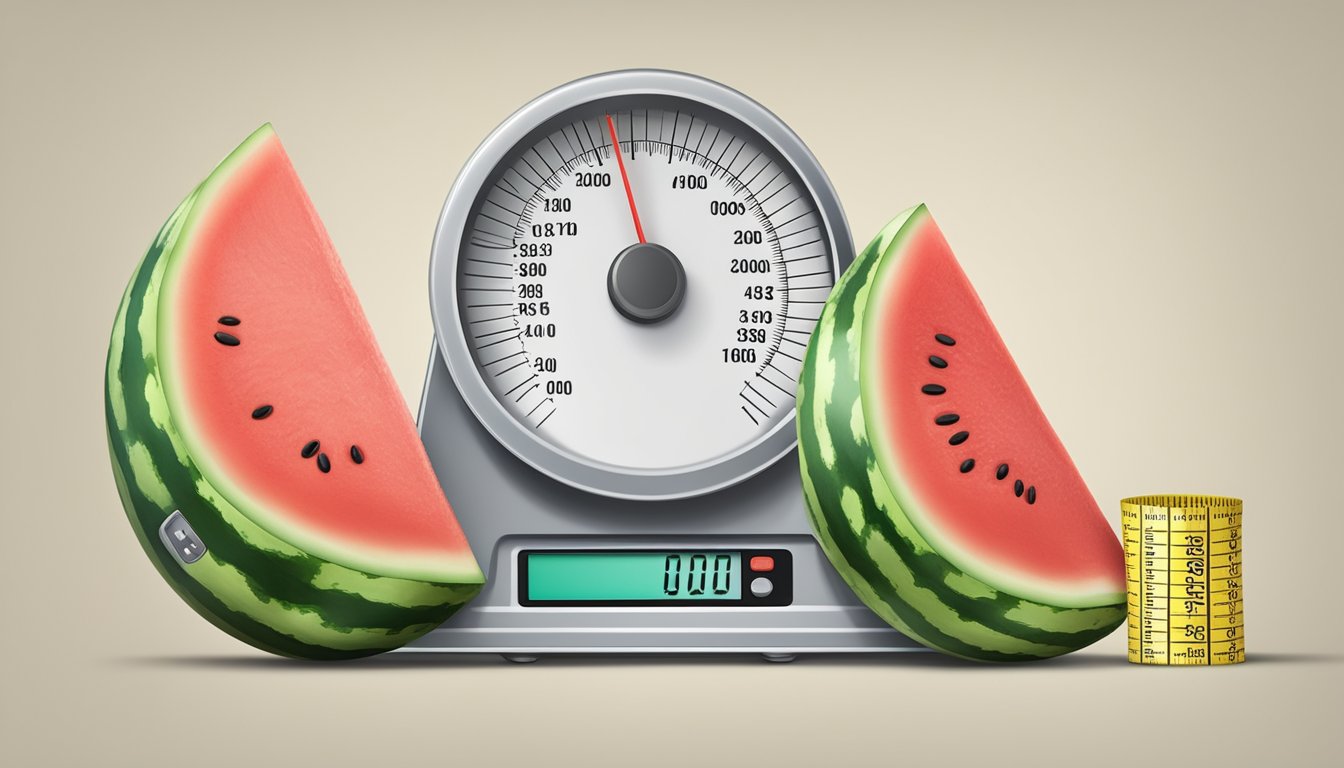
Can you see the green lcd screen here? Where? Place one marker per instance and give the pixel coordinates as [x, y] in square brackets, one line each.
[633, 577]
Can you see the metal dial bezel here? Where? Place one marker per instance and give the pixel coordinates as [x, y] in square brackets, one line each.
[554, 461]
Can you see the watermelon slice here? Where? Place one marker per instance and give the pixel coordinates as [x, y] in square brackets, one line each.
[934, 482]
[245, 390]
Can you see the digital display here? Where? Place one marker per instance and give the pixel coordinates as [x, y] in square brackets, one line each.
[631, 577]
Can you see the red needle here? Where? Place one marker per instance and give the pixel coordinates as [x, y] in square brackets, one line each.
[625, 177]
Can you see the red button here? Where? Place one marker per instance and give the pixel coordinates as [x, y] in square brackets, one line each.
[762, 563]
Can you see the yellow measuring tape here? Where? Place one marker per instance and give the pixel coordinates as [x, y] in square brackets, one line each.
[1183, 577]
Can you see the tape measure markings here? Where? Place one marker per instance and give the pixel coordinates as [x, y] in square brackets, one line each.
[1183, 577]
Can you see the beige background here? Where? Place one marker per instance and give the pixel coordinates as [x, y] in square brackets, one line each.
[1148, 198]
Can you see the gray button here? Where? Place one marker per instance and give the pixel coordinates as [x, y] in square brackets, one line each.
[762, 587]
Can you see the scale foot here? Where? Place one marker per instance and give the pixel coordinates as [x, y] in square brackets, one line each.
[518, 659]
[779, 658]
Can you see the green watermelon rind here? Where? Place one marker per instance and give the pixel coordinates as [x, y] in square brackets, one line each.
[865, 531]
[250, 583]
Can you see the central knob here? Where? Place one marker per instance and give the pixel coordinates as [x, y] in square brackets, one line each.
[646, 283]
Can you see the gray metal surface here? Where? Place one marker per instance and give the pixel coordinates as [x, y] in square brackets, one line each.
[505, 505]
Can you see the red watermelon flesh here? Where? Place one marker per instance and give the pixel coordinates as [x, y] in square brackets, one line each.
[265, 352]
[973, 460]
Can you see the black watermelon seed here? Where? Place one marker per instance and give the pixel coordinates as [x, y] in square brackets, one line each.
[309, 449]
[1031, 495]
[1017, 487]
[944, 339]
[227, 339]
[937, 362]
[946, 419]
[229, 320]
[1002, 472]
[958, 438]
[323, 463]
[933, 389]
[262, 412]
[356, 455]
[967, 465]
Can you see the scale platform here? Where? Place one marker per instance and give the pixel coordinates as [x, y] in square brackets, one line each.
[507, 508]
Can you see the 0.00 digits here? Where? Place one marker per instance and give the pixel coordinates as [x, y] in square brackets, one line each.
[697, 575]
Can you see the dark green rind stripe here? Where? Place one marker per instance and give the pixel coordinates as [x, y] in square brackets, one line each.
[866, 534]
[326, 606]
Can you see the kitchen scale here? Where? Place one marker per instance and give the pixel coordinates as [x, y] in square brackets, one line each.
[623, 283]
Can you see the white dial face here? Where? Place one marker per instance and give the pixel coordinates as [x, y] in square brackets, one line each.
[708, 372]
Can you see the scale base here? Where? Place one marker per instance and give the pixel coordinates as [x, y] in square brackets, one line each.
[779, 658]
[505, 507]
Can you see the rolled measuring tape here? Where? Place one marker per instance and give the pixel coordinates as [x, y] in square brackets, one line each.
[1184, 579]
